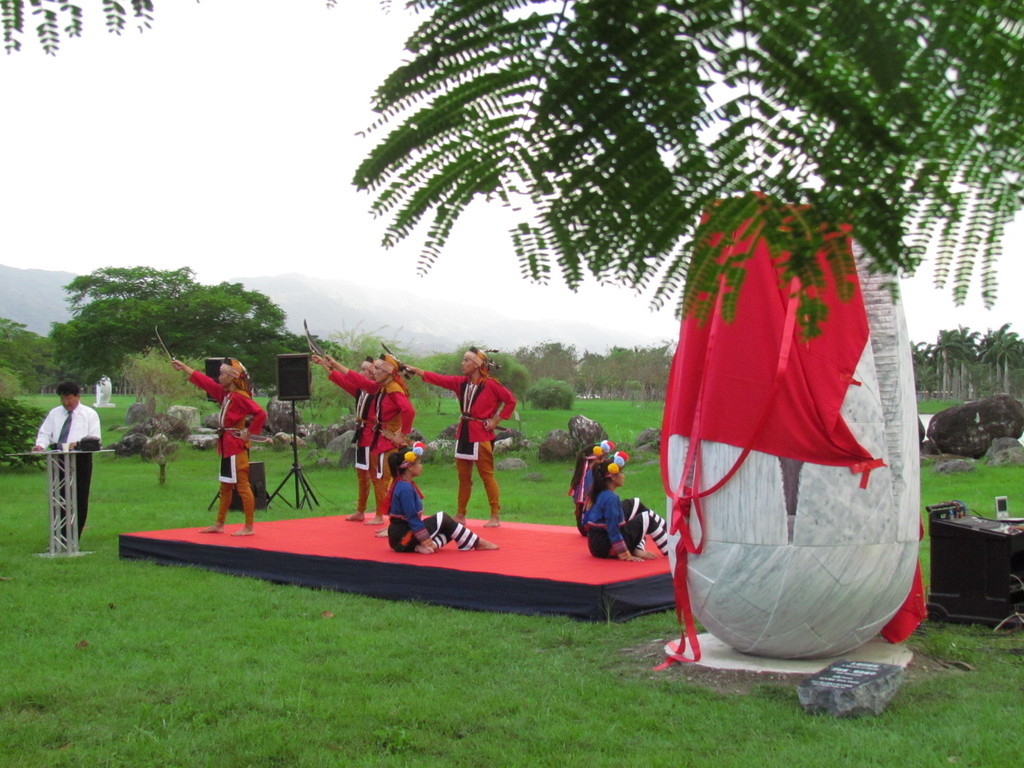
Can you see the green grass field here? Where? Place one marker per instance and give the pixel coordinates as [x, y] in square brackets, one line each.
[116, 663]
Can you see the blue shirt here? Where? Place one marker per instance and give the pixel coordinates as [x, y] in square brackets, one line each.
[407, 505]
[606, 513]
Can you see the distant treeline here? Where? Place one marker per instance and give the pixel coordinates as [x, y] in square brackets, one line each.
[115, 312]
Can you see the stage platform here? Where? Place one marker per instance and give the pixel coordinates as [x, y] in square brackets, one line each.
[538, 570]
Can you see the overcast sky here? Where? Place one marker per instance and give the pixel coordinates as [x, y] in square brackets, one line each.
[225, 139]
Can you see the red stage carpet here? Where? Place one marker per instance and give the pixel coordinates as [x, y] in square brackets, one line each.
[539, 570]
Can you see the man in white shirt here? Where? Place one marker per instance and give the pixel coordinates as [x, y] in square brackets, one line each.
[62, 429]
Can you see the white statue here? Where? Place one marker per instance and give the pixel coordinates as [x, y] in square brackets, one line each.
[802, 557]
[103, 388]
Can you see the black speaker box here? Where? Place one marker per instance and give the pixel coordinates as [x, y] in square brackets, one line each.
[212, 369]
[258, 483]
[294, 380]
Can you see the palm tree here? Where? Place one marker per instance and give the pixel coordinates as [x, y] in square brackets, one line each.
[925, 374]
[1002, 349]
[956, 349]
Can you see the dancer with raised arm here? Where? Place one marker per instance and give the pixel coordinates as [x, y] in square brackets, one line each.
[484, 403]
[240, 417]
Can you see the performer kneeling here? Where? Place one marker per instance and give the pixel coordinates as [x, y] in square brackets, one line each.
[408, 530]
[609, 531]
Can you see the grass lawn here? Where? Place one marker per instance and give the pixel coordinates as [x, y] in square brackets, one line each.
[115, 663]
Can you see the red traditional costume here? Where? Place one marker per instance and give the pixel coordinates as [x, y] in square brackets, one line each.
[392, 417]
[361, 389]
[486, 399]
[238, 411]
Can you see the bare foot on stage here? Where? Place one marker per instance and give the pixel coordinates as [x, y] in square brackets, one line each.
[376, 520]
[424, 550]
[461, 519]
[643, 554]
[215, 528]
[244, 531]
[494, 522]
[356, 517]
[482, 544]
[381, 534]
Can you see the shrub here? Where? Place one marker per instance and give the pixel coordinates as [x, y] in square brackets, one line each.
[550, 394]
[18, 427]
[10, 386]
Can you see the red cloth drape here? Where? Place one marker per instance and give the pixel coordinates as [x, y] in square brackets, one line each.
[802, 411]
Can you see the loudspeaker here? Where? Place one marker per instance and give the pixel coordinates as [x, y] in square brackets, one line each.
[258, 483]
[212, 369]
[294, 380]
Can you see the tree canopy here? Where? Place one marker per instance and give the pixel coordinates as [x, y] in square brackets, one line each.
[116, 310]
[54, 19]
[25, 356]
[614, 126]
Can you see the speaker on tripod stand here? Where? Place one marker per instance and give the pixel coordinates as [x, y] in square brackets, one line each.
[211, 367]
[295, 382]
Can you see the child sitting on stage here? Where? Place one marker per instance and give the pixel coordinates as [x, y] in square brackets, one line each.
[583, 479]
[408, 531]
[609, 533]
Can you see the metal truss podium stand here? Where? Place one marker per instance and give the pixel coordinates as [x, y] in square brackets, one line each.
[62, 489]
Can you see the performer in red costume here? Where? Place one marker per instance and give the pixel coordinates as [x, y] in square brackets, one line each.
[240, 417]
[392, 417]
[361, 386]
[485, 403]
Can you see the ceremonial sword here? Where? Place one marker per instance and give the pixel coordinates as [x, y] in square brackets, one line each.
[315, 348]
[157, 330]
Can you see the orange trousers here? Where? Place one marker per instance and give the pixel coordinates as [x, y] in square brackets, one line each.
[244, 492]
[484, 468]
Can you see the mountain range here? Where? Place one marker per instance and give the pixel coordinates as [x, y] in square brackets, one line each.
[35, 298]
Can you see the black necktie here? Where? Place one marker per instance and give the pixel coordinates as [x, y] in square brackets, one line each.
[65, 430]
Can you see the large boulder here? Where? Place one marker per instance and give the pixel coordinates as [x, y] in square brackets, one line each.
[584, 431]
[130, 445]
[202, 442]
[284, 440]
[649, 440]
[188, 414]
[158, 449]
[969, 429]
[342, 445]
[1005, 450]
[279, 417]
[137, 412]
[558, 445]
[161, 424]
[513, 439]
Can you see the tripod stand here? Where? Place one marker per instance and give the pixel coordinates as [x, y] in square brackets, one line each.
[307, 496]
